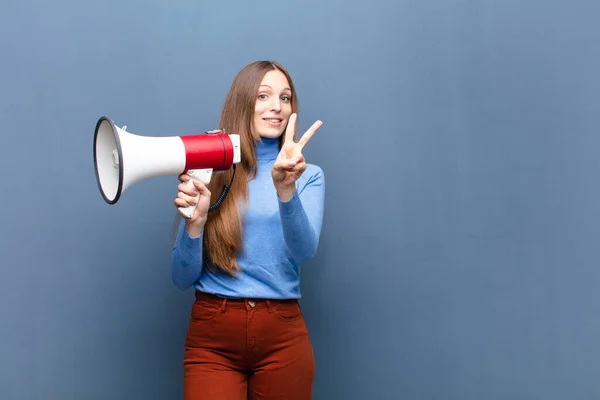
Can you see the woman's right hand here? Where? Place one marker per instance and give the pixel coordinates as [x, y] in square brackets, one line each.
[186, 198]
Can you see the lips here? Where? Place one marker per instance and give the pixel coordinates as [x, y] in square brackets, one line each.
[273, 121]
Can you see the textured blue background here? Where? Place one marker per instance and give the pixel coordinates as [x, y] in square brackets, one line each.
[459, 257]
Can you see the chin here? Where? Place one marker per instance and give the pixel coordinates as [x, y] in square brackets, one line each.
[270, 134]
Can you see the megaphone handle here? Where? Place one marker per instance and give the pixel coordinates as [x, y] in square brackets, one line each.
[202, 175]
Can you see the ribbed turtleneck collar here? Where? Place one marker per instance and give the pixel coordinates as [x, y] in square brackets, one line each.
[267, 149]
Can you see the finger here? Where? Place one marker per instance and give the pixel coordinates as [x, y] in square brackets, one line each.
[290, 163]
[309, 133]
[285, 164]
[187, 189]
[187, 197]
[182, 203]
[288, 150]
[280, 166]
[282, 162]
[185, 200]
[297, 158]
[202, 189]
[184, 177]
[291, 128]
[300, 167]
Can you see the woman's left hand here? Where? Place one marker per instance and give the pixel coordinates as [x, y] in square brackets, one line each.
[290, 163]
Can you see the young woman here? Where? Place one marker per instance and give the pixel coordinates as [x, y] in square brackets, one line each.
[247, 338]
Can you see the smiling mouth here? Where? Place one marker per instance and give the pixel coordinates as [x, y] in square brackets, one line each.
[273, 120]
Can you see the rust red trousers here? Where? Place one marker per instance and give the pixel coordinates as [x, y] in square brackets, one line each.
[247, 349]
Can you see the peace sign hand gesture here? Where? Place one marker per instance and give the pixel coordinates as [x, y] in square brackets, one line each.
[290, 163]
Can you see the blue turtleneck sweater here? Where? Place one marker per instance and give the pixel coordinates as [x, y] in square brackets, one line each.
[278, 237]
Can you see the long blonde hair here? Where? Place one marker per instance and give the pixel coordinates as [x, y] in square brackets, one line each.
[223, 235]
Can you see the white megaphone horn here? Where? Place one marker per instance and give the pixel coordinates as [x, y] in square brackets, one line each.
[122, 159]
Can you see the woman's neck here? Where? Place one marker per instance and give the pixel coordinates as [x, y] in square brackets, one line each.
[267, 149]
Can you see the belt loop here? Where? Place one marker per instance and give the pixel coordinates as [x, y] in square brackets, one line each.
[223, 304]
[269, 305]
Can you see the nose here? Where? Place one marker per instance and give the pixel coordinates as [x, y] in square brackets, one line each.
[275, 103]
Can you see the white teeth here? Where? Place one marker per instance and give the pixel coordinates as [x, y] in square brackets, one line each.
[272, 120]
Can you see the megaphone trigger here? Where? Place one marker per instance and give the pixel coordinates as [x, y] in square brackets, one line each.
[202, 175]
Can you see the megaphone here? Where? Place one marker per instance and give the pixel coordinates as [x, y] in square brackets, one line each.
[122, 159]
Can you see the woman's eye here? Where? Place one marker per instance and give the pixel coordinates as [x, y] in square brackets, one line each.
[262, 96]
[285, 98]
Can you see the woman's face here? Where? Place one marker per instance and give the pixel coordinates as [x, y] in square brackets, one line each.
[273, 105]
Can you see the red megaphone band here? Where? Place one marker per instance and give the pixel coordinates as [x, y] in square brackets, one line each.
[210, 150]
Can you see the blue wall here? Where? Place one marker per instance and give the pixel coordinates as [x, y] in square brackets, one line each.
[459, 256]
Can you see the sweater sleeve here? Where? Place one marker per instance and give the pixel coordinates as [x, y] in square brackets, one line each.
[186, 258]
[302, 216]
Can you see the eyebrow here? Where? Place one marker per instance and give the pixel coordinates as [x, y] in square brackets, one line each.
[286, 88]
